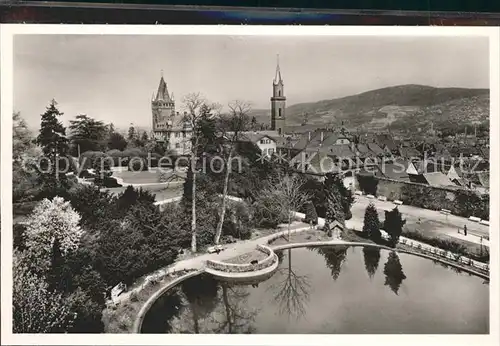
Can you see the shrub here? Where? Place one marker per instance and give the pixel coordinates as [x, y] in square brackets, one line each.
[311, 215]
[92, 204]
[18, 236]
[137, 164]
[368, 184]
[36, 309]
[465, 203]
[448, 245]
[131, 197]
[110, 182]
[51, 220]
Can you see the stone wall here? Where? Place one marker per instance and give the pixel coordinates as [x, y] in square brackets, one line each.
[247, 267]
[460, 202]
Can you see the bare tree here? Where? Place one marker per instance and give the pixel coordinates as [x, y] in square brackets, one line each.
[285, 192]
[231, 127]
[238, 316]
[292, 292]
[198, 109]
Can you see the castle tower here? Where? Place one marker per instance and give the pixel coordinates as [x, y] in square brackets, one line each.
[163, 107]
[278, 101]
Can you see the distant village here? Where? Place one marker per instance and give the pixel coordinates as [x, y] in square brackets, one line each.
[458, 161]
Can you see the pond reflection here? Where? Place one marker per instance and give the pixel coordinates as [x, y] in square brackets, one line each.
[291, 291]
[330, 289]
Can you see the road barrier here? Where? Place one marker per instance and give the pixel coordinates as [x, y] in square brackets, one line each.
[484, 222]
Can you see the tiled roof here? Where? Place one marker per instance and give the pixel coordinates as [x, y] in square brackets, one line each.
[437, 179]
[375, 148]
[339, 150]
[394, 171]
[409, 152]
[253, 137]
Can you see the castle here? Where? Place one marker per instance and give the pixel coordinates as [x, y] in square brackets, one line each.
[171, 127]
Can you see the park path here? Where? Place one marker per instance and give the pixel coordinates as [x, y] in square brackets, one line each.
[199, 262]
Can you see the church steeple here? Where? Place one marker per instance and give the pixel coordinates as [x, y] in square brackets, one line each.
[278, 102]
[277, 77]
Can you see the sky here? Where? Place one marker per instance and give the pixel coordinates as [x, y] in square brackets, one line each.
[112, 78]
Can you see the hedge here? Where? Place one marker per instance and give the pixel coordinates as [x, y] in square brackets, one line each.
[449, 245]
[463, 203]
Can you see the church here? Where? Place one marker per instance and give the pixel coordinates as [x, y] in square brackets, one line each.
[169, 126]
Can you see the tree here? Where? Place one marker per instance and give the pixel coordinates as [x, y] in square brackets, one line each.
[338, 201]
[371, 256]
[199, 115]
[52, 220]
[393, 224]
[54, 143]
[335, 257]
[94, 205]
[292, 292]
[393, 271]
[131, 197]
[201, 293]
[368, 184]
[21, 136]
[36, 309]
[117, 141]
[253, 124]
[25, 155]
[311, 215]
[232, 126]
[132, 134]
[371, 224]
[87, 134]
[286, 194]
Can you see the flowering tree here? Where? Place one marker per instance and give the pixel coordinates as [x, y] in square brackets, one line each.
[49, 221]
[36, 309]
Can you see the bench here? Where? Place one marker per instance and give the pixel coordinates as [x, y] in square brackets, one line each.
[484, 222]
[382, 198]
[370, 196]
[358, 193]
[215, 249]
[398, 202]
[474, 219]
[445, 211]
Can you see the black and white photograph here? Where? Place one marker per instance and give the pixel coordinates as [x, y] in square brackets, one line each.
[218, 182]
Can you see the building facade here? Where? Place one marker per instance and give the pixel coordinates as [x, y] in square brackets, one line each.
[170, 127]
[278, 103]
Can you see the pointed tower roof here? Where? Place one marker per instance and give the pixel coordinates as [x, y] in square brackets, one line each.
[162, 94]
[277, 77]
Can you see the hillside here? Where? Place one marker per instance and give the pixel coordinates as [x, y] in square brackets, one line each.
[398, 107]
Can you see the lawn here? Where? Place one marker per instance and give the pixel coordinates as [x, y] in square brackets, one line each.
[144, 177]
[302, 237]
[161, 191]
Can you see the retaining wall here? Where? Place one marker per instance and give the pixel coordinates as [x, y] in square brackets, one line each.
[246, 267]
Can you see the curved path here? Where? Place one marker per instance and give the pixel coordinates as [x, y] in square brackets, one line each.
[198, 262]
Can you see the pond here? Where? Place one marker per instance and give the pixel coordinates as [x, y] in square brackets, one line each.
[334, 289]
